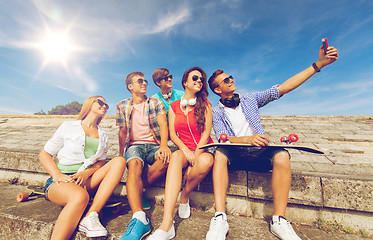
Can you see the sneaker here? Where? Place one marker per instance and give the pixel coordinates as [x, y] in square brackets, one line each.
[136, 230]
[184, 210]
[91, 226]
[282, 229]
[218, 228]
[145, 202]
[159, 234]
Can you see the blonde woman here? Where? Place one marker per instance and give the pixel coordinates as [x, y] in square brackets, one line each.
[82, 171]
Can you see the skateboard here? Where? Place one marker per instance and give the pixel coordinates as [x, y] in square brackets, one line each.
[224, 137]
[114, 203]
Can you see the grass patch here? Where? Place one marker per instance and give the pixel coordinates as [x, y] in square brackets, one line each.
[335, 227]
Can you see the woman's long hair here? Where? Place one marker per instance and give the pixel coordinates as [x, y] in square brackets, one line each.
[87, 107]
[202, 95]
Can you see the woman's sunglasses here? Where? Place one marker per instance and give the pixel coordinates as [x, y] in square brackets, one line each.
[99, 101]
[195, 78]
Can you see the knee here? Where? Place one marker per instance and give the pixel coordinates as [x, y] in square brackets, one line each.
[81, 197]
[119, 163]
[281, 160]
[135, 167]
[176, 157]
[220, 159]
[205, 161]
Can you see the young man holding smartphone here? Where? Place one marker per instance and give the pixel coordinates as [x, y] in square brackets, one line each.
[238, 117]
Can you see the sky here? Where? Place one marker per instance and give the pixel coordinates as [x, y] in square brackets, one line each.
[55, 52]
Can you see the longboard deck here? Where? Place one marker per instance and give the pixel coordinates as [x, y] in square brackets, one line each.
[39, 191]
[298, 147]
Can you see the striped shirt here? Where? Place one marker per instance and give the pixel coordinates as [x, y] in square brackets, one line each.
[250, 104]
[153, 108]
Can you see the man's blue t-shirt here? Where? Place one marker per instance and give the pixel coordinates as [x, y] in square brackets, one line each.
[176, 95]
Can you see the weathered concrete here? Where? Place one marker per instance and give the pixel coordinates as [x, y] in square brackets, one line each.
[336, 186]
[34, 219]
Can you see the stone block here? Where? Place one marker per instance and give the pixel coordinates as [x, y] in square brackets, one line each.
[304, 190]
[348, 194]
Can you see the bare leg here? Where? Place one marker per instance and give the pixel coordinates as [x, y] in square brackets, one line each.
[220, 180]
[281, 180]
[106, 179]
[75, 200]
[173, 184]
[134, 184]
[155, 171]
[203, 165]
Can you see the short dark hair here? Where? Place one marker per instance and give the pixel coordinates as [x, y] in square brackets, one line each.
[130, 76]
[213, 78]
[159, 74]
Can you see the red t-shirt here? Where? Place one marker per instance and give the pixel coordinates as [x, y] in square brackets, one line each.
[185, 130]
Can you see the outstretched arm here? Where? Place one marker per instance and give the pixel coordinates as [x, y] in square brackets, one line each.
[297, 80]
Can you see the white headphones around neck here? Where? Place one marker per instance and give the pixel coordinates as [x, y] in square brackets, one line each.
[190, 102]
[167, 96]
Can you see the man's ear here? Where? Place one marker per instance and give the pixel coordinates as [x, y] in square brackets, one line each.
[217, 90]
[130, 87]
[158, 83]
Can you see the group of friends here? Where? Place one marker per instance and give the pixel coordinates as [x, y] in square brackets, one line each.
[145, 126]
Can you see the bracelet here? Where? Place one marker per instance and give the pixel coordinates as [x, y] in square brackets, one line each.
[317, 69]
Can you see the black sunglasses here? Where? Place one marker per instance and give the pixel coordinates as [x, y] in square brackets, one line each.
[141, 81]
[195, 78]
[99, 101]
[225, 80]
[166, 78]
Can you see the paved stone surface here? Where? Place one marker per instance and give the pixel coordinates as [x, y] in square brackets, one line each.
[335, 186]
[34, 219]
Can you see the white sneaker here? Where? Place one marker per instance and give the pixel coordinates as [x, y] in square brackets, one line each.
[282, 229]
[218, 228]
[159, 234]
[184, 210]
[91, 226]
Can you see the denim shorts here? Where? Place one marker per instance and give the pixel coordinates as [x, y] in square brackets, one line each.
[48, 184]
[145, 152]
[250, 159]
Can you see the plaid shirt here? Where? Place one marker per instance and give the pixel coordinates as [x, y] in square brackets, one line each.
[250, 104]
[153, 108]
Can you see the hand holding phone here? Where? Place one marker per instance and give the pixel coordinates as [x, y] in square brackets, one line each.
[325, 44]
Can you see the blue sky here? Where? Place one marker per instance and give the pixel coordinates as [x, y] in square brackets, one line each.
[261, 43]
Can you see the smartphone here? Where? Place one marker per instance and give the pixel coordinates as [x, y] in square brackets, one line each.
[325, 44]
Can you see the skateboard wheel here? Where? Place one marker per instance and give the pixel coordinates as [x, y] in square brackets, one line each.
[117, 209]
[223, 137]
[22, 197]
[293, 137]
[284, 139]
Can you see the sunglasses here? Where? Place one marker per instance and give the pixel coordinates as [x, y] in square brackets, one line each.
[141, 81]
[166, 78]
[225, 80]
[195, 78]
[99, 101]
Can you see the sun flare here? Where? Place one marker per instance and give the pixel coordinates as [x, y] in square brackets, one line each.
[56, 47]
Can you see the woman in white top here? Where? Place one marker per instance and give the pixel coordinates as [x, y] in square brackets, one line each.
[81, 147]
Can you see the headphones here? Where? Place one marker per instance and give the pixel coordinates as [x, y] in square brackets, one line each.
[190, 102]
[167, 96]
[231, 102]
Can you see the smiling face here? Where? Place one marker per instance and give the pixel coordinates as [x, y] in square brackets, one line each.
[166, 82]
[99, 106]
[224, 84]
[138, 85]
[194, 82]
